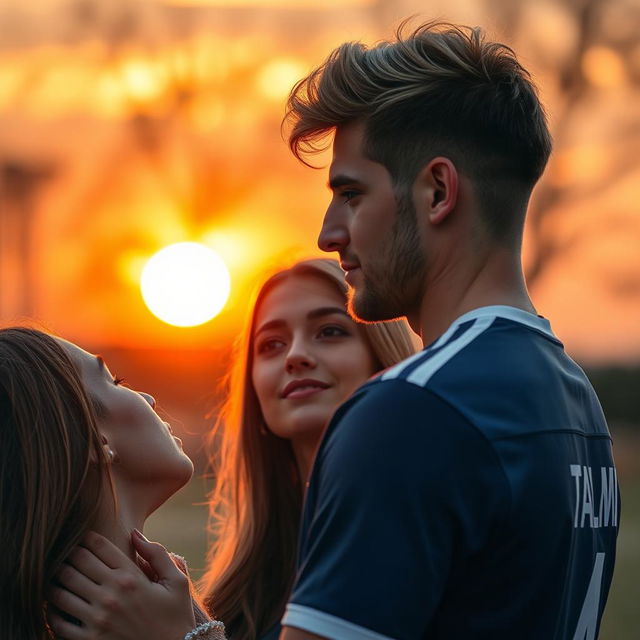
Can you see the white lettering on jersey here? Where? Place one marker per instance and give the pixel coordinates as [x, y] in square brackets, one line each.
[608, 501]
[589, 614]
[585, 498]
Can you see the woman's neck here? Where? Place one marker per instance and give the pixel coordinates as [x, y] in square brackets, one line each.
[304, 452]
[116, 523]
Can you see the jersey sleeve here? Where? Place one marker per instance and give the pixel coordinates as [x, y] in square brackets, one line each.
[403, 491]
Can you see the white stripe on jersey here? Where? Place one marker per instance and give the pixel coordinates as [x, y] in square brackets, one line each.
[326, 625]
[482, 317]
[397, 369]
[423, 373]
[509, 313]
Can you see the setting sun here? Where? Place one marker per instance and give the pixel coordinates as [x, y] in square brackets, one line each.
[185, 284]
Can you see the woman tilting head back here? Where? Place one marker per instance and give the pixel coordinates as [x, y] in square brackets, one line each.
[78, 451]
[299, 358]
[50, 456]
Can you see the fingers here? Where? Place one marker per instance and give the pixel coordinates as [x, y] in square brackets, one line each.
[146, 569]
[159, 560]
[76, 582]
[69, 603]
[64, 629]
[89, 565]
[105, 550]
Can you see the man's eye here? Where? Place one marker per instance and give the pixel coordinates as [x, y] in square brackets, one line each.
[349, 195]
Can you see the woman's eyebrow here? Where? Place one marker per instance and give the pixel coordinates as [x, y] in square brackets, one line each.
[313, 314]
[271, 324]
[326, 311]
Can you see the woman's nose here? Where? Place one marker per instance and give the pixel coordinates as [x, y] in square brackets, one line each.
[299, 357]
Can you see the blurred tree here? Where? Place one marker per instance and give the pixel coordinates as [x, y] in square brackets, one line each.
[20, 183]
[599, 66]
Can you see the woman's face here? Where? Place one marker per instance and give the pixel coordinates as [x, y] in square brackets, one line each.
[308, 356]
[145, 451]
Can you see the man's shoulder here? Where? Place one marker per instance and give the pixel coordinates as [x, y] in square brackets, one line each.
[503, 372]
[479, 347]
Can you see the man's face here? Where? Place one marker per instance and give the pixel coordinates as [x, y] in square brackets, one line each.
[376, 235]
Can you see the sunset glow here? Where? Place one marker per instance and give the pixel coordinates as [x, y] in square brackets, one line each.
[185, 284]
[148, 191]
[133, 126]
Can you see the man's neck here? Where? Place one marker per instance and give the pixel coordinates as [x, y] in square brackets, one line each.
[498, 281]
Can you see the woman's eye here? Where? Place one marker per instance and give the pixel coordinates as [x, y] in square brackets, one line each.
[333, 332]
[118, 381]
[268, 346]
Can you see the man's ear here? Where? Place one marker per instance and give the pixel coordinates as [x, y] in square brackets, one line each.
[436, 189]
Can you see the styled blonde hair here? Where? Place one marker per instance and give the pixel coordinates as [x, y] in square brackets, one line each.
[51, 465]
[256, 502]
[440, 90]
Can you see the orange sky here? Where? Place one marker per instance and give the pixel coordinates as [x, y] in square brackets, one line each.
[159, 122]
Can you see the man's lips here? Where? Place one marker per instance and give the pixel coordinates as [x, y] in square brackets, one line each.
[348, 266]
[303, 388]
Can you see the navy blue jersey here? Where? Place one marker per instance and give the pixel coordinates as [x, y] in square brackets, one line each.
[467, 492]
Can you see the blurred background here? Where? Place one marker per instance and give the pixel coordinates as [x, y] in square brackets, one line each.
[130, 125]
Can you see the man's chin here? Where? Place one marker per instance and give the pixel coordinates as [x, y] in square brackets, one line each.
[363, 306]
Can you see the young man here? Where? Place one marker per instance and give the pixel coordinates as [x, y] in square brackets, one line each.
[470, 491]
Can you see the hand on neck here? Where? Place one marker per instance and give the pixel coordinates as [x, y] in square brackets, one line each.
[116, 522]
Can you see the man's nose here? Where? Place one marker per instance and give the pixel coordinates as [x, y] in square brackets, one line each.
[334, 235]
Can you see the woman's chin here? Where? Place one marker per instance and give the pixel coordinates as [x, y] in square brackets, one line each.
[176, 476]
[166, 487]
[308, 421]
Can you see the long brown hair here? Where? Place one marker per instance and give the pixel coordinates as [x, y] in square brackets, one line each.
[256, 502]
[49, 445]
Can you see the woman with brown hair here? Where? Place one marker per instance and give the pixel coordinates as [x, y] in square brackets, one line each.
[78, 451]
[300, 357]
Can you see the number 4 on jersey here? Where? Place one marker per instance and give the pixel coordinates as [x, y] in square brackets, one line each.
[588, 620]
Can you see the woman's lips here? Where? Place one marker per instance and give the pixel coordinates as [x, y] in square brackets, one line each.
[304, 392]
[175, 437]
[297, 389]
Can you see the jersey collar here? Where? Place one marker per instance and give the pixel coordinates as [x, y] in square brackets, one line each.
[509, 313]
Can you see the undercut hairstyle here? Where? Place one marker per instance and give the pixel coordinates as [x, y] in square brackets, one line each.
[51, 465]
[256, 503]
[441, 90]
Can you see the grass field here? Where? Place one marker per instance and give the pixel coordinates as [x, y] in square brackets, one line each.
[180, 525]
[622, 615]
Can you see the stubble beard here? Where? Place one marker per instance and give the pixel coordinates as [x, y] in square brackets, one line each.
[392, 286]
